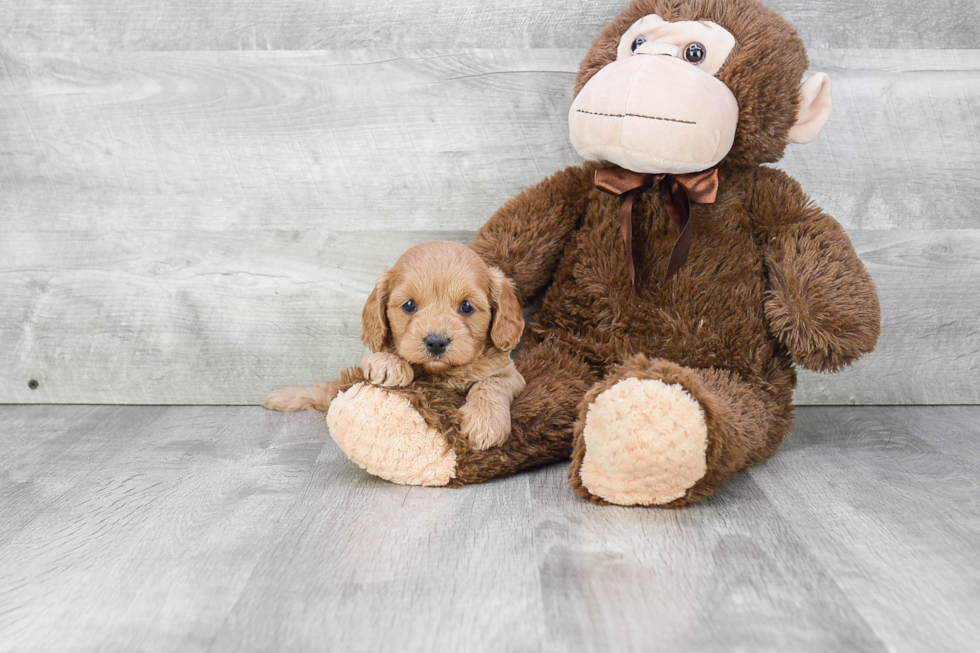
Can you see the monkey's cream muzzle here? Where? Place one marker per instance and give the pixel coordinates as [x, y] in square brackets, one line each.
[651, 111]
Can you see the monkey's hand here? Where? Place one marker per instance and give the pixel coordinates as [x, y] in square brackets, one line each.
[388, 370]
[821, 302]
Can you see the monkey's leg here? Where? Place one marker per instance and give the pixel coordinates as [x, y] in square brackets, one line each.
[385, 434]
[542, 417]
[655, 433]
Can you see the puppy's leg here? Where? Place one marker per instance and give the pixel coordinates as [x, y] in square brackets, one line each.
[485, 417]
[317, 397]
[388, 370]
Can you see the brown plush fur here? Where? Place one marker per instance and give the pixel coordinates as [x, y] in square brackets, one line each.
[440, 405]
[771, 281]
[543, 417]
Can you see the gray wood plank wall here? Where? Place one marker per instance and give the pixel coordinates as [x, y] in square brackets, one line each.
[195, 199]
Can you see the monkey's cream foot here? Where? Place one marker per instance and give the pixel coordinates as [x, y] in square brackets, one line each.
[645, 443]
[386, 437]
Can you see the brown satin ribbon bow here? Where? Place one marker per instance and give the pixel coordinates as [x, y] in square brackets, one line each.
[677, 191]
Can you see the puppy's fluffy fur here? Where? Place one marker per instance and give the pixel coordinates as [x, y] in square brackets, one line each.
[423, 295]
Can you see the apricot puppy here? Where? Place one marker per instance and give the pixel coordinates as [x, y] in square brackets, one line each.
[442, 312]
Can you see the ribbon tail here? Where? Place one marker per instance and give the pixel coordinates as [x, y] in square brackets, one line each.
[678, 256]
[626, 229]
[677, 191]
[678, 205]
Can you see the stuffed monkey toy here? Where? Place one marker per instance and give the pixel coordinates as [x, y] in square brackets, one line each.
[679, 280]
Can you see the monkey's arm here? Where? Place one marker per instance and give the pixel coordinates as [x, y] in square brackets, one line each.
[525, 237]
[821, 302]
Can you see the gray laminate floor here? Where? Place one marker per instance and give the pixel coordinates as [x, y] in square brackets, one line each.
[236, 529]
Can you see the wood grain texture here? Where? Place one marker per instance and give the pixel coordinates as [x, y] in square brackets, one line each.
[104, 25]
[184, 317]
[617, 579]
[892, 538]
[201, 227]
[426, 141]
[224, 318]
[929, 350]
[427, 571]
[323, 140]
[138, 527]
[238, 529]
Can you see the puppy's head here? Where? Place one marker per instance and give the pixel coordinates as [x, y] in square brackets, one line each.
[440, 306]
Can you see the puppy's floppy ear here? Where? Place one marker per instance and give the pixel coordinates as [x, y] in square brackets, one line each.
[374, 317]
[508, 321]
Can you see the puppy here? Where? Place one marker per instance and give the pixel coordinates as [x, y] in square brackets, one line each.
[440, 311]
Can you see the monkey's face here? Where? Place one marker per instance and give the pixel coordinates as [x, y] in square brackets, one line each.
[659, 107]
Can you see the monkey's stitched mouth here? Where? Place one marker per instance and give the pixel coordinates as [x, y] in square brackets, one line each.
[635, 115]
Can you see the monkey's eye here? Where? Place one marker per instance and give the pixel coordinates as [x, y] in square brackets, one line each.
[409, 306]
[466, 308]
[695, 53]
[637, 42]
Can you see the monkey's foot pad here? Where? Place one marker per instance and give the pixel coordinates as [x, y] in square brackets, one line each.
[385, 436]
[646, 443]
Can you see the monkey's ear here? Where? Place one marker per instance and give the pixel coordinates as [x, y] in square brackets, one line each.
[374, 317]
[508, 320]
[814, 109]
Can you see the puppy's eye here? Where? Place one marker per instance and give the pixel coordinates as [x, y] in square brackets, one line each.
[409, 306]
[637, 42]
[466, 308]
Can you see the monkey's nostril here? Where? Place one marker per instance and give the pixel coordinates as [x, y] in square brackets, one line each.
[436, 343]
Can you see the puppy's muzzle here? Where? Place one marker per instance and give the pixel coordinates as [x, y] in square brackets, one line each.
[436, 343]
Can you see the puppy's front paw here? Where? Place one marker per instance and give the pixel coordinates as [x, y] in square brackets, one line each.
[486, 423]
[387, 370]
[290, 399]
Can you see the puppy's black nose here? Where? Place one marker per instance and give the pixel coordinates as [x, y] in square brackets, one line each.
[436, 343]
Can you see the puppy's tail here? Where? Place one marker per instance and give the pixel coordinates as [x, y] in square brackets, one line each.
[324, 393]
[316, 397]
